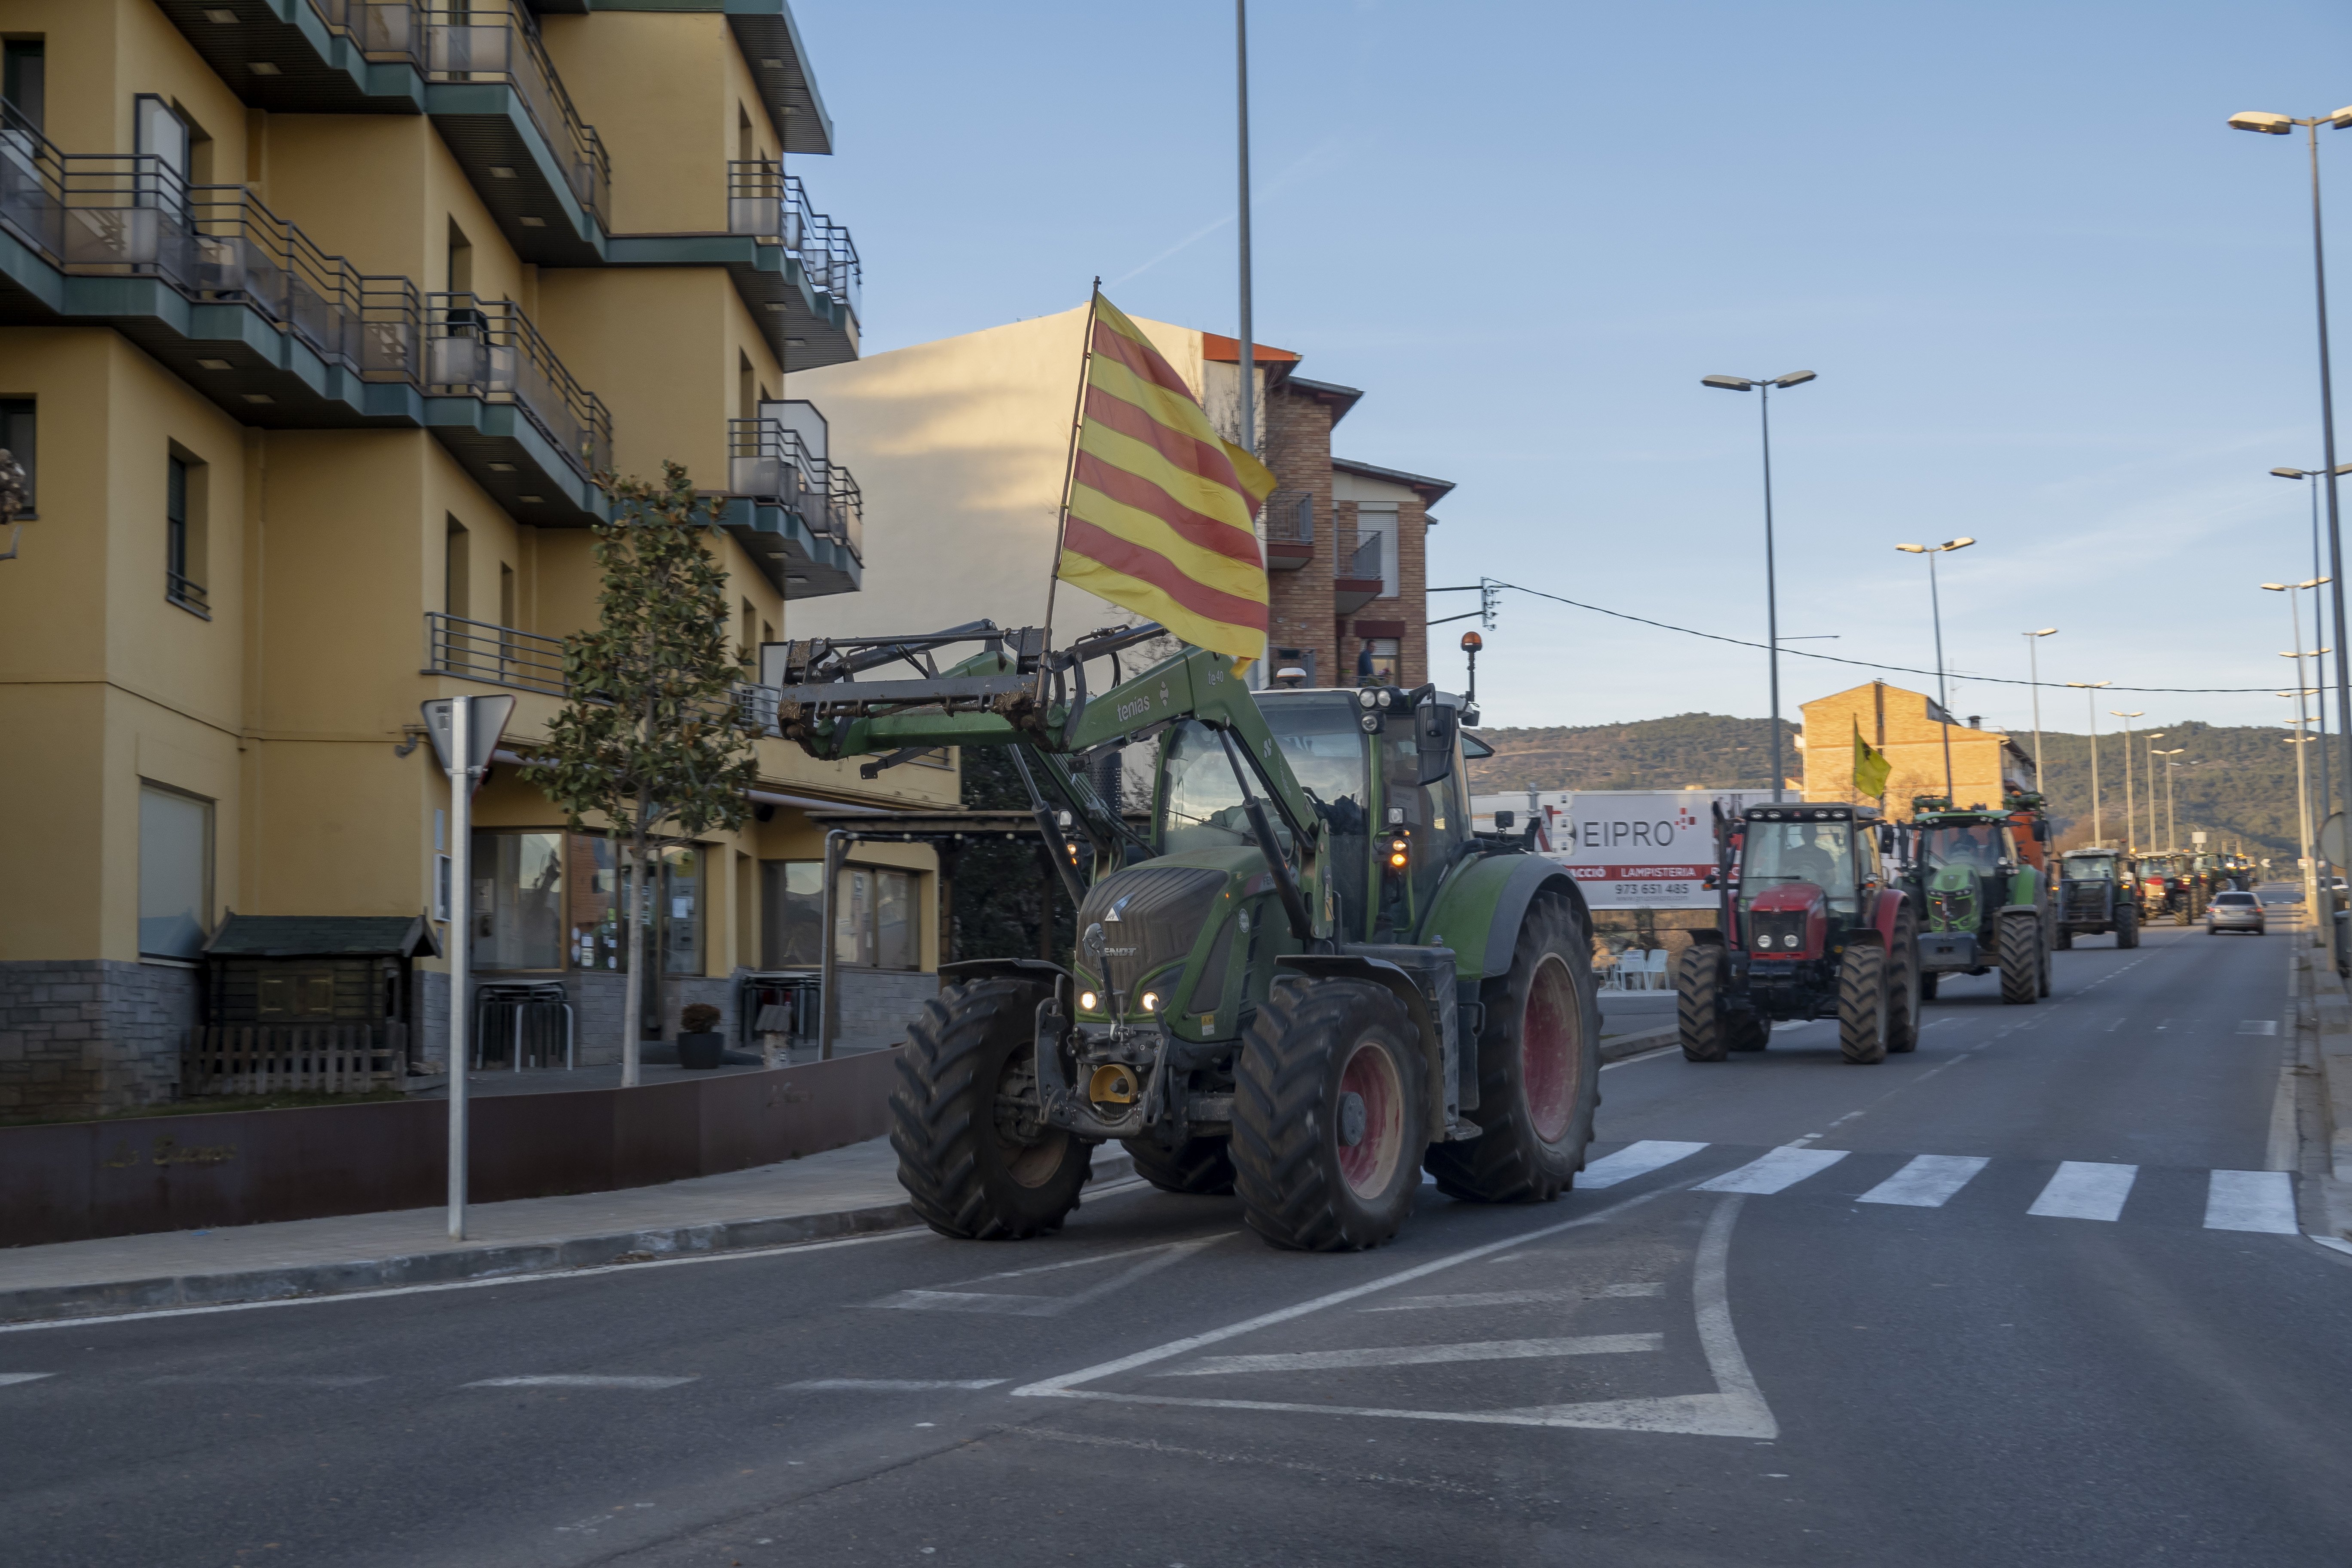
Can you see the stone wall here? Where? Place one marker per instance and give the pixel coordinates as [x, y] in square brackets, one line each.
[82, 1038]
[876, 1006]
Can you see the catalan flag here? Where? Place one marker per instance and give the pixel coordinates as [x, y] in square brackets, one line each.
[1161, 513]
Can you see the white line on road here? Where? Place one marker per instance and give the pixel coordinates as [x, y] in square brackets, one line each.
[580, 1380]
[9, 1377]
[327, 1380]
[2258, 1027]
[1008, 1304]
[1516, 1297]
[1927, 1181]
[2085, 1190]
[1776, 1171]
[1634, 1160]
[1422, 1355]
[894, 1384]
[2252, 1200]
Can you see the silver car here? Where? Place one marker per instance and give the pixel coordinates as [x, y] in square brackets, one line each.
[2233, 911]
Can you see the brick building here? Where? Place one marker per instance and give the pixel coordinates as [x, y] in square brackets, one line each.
[1911, 729]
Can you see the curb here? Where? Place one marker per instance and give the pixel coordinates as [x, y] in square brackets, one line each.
[1617, 1047]
[2332, 1013]
[459, 1265]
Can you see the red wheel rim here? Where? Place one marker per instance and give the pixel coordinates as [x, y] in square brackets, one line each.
[1369, 1166]
[1549, 1062]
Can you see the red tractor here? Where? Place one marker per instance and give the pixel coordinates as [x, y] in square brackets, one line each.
[1812, 927]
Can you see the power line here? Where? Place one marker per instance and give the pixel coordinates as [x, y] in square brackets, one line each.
[1489, 585]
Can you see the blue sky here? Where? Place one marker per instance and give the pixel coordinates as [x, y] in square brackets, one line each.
[2055, 302]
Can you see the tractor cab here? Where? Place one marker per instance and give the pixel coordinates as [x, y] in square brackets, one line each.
[1803, 875]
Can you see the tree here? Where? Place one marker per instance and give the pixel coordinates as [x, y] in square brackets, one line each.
[650, 736]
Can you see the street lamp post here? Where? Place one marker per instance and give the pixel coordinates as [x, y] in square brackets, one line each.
[1764, 386]
[2172, 824]
[2090, 689]
[2282, 125]
[2318, 626]
[2149, 766]
[2033, 669]
[1936, 604]
[2302, 718]
[2131, 809]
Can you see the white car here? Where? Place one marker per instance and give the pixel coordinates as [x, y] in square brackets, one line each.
[2234, 911]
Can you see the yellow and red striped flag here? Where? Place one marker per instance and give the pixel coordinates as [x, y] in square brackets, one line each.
[1160, 510]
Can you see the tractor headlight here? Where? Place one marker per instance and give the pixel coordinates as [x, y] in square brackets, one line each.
[1088, 1002]
[1151, 1000]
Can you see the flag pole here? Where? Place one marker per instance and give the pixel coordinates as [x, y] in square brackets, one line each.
[1069, 477]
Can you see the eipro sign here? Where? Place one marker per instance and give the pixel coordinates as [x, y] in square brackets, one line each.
[1626, 849]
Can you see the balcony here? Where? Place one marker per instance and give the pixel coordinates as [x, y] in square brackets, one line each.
[504, 404]
[309, 56]
[495, 98]
[1358, 581]
[529, 661]
[796, 268]
[1289, 519]
[799, 514]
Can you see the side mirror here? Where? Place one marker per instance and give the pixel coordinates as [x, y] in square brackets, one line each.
[1434, 725]
[1504, 820]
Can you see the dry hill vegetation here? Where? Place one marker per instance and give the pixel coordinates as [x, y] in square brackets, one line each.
[2236, 780]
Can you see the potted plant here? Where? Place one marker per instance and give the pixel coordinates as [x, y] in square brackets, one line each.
[699, 1042]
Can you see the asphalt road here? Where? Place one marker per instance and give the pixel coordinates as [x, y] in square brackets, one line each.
[2023, 1297]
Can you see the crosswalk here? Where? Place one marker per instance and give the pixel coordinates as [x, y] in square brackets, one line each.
[2257, 1201]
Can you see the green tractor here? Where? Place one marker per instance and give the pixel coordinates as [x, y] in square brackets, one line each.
[1984, 903]
[2096, 895]
[1304, 981]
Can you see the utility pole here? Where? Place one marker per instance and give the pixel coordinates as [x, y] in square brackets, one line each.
[2033, 669]
[1249, 345]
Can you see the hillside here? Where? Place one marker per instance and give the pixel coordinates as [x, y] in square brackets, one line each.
[2237, 780]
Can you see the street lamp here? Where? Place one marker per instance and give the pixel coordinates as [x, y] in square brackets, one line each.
[1936, 603]
[2150, 766]
[2318, 623]
[1764, 385]
[2131, 811]
[2302, 803]
[2033, 669]
[2272, 125]
[2090, 689]
[2172, 824]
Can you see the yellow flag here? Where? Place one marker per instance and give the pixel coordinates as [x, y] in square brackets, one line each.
[1870, 766]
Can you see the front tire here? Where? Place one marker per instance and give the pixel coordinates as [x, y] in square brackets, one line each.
[1698, 1002]
[2019, 942]
[1903, 989]
[1198, 1167]
[975, 1158]
[2065, 939]
[1539, 1072]
[1328, 1119]
[2127, 928]
[1927, 979]
[1862, 1006]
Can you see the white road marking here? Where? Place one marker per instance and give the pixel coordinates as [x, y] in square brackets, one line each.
[1009, 1304]
[2252, 1200]
[1775, 1170]
[894, 1384]
[1634, 1160]
[9, 1377]
[2085, 1190]
[1927, 1181]
[2282, 1148]
[1516, 1297]
[2258, 1027]
[1422, 1355]
[328, 1380]
[2339, 1245]
[580, 1380]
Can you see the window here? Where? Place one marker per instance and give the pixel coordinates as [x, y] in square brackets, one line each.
[163, 147]
[875, 921]
[674, 925]
[16, 438]
[792, 919]
[679, 912]
[1386, 652]
[23, 80]
[1383, 521]
[1201, 804]
[517, 901]
[184, 534]
[453, 563]
[175, 872]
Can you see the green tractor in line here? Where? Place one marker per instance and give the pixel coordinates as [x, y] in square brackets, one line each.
[1305, 979]
[2097, 895]
[1983, 899]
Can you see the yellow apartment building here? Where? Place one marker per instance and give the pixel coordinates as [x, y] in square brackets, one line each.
[1910, 727]
[318, 320]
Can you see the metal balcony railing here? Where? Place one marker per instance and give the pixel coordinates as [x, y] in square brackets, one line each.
[489, 349]
[502, 656]
[1364, 564]
[136, 216]
[383, 29]
[765, 202]
[187, 593]
[496, 40]
[768, 460]
[1290, 517]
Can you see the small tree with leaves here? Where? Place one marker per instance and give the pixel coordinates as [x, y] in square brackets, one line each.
[650, 737]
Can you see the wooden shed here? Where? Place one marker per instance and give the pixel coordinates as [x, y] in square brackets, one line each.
[306, 1002]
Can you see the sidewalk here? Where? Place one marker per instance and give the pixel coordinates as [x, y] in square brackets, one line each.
[2328, 1028]
[843, 1191]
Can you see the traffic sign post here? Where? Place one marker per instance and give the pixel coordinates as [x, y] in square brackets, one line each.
[466, 731]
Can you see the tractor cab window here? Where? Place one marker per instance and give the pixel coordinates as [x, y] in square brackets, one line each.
[1780, 854]
[1325, 745]
[1981, 847]
[2101, 869]
[1200, 799]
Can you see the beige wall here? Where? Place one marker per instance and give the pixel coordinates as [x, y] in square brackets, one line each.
[102, 54]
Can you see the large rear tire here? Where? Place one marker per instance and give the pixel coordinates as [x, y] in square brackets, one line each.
[1328, 1119]
[1862, 1006]
[974, 1156]
[2127, 928]
[1903, 989]
[1927, 979]
[1698, 1002]
[2065, 939]
[1539, 1072]
[2019, 947]
[1198, 1167]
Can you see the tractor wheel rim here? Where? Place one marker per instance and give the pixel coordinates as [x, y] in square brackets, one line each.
[1370, 1165]
[1549, 1057]
[1027, 1164]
